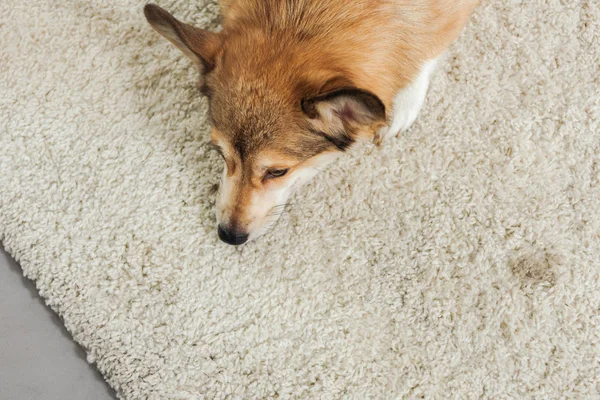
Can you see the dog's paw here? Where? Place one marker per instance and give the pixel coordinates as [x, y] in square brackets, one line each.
[382, 134]
[387, 132]
[408, 102]
[405, 118]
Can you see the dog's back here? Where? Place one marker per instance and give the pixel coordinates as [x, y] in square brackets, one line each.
[379, 44]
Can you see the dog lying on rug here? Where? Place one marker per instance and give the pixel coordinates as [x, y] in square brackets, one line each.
[292, 84]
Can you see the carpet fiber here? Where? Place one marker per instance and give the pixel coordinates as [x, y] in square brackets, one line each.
[461, 260]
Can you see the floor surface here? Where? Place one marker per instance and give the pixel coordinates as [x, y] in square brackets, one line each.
[38, 358]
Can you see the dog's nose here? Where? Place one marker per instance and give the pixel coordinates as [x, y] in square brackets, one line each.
[231, 236]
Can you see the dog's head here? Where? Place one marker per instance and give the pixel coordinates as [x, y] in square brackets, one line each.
[281, 110]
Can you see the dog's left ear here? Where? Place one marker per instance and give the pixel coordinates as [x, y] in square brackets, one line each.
[340, 113]
[198, 44]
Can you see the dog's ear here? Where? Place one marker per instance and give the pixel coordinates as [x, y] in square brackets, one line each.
[340, 113]
[198, 44]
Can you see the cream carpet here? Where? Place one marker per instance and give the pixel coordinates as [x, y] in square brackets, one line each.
[460, 261]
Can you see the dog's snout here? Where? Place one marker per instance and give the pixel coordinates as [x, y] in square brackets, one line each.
[232, 236]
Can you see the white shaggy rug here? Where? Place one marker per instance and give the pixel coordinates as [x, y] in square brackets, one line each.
[459, 261]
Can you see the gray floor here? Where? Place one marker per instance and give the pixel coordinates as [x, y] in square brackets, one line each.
[38, 358]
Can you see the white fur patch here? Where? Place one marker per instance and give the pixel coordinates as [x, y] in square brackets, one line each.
[225, 193]
[408, 103]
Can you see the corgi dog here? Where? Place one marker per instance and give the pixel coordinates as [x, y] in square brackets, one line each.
[292, 84]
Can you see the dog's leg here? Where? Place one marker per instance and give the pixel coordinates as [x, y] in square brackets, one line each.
[408, 103]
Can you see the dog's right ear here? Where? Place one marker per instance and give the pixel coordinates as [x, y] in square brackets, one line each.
[198, 44]
[342, 113]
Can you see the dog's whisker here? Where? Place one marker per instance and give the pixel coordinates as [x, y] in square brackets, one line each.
[276, 211]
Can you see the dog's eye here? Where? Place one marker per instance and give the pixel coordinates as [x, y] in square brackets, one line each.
[276, 173]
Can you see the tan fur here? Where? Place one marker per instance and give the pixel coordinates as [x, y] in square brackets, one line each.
[273, 56]
[377, 45]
